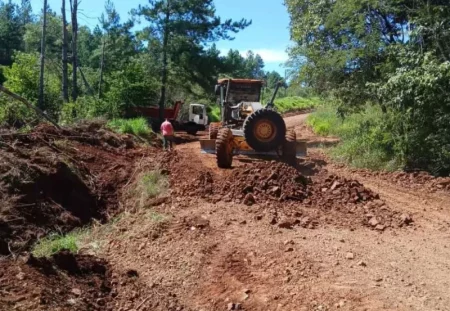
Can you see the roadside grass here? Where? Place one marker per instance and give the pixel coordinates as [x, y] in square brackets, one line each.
[95, 238]
[150, 185]
[137, 126]
[287, 104]
[365, 138]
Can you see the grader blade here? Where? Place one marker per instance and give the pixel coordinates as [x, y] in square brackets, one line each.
[208, 146]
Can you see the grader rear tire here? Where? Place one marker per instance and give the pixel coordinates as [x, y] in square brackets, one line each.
[224, 148]
[264, 130]
[214, 129]
[289, 148]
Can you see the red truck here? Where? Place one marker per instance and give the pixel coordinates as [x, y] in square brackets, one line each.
[197, 117]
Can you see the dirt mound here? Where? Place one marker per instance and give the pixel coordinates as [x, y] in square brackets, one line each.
[63, 282]
[286, 193]
[56, 180]
[263, 182]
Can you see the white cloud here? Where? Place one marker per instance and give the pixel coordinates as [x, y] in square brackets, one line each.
[268, 55]
[272, 56]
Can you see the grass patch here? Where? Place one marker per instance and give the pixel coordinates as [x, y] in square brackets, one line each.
[137, 126]
[154, 183]
[366, 137]
[151, 185]
[293, 103]
[55, 242]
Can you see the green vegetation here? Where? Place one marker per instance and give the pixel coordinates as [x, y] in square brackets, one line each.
[387, 69]
[55, 243]
[293, 103]
[137, 126]
[213, 113]
[367, 140]
[119, 68]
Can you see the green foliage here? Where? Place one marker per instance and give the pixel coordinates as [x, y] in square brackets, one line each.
[14, 113]
[137, 126]
[23, 78]
[11, 31]
[419, 97]
[213, 113]
[374, 51]
[287, 104]
[54, 243]
[367, 140]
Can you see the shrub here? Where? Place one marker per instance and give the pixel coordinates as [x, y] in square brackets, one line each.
[366, 137]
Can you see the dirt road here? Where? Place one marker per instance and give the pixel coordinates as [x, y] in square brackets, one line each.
[216, 255]
[260, 236]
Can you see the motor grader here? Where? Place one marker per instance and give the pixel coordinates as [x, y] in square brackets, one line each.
[247, 127]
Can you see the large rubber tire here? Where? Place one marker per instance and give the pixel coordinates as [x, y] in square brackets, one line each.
[264, 130]
[289, 148]
[224, 148]
[214, 129]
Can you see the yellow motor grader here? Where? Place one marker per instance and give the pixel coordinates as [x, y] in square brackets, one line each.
[247, 127]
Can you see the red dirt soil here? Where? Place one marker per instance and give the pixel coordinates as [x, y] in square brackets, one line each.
[64, 281]
[237, 239]
[290, 197]
[57, 180]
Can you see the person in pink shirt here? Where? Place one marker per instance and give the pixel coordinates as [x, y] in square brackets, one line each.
[168, 134]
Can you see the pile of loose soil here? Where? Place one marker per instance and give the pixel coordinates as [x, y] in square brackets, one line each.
[264, 182]
[62, 282]
[57, 180]
[283, 190]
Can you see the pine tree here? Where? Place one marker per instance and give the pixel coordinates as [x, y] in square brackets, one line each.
[182, 28]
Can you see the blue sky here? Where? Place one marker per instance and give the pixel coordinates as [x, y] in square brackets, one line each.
[268, 35]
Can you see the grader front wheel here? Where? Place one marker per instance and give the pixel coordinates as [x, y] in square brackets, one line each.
[214, 129]
[224, 148]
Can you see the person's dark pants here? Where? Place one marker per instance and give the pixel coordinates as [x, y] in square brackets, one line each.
[167, 141]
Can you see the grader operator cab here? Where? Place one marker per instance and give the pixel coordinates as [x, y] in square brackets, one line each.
[248, 127]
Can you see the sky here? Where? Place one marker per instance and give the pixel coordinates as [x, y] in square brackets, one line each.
[268, 35]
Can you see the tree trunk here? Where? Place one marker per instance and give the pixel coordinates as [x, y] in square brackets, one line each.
[65, 79]
[162, 99]
[86, 83]
[74, 11]
[41, 73]
[102, 64]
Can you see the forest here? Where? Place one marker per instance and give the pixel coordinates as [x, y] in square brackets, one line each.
[385, 68]
[171, 57]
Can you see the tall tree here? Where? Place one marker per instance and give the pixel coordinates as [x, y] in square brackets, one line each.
[65, 79]
[11, 31]
[254, 66]
[74, 13]
[183, 27]
[42, 59]
[26, 12]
